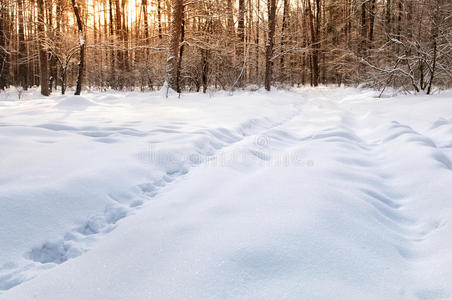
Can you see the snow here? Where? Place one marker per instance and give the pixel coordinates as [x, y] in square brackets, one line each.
[81, 39]
[74, 103]
[304, 194]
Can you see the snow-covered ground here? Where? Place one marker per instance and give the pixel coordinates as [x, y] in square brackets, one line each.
[320, 193]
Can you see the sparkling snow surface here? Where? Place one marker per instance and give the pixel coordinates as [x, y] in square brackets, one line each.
[321, 193]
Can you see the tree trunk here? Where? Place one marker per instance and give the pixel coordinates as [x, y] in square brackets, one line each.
[43, 63]
[283, 37]
[81, 65]
[257, 41]
[314, 43]
[346, 23]
[58, 42]
[370, 35]
[320, 18]
[363, 45]
[53, 61]
[112, 53]
[269, 45]
[22, 74]
[144, 5]
[125, 44]
[174, 41]
[231, 58]
[204, 69]
[63, 81]
[119, 39]
[181, 51]
[388, 18]
[159, 18]
[4, 56]
[240, 42]
[435, 20]
[230, 19]
[399, 26]
[240, 31]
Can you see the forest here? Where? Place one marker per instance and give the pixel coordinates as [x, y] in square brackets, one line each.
[225, 44]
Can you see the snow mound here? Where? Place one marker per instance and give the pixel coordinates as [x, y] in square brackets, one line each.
[75, 103]
[167, 92]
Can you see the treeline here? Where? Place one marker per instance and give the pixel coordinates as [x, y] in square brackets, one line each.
[226, 44]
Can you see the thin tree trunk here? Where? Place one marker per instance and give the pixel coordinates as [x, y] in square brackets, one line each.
[4, 56]
[435, 33]
[159, 18]
[257, 40]
[53, 62]
[283, 37]
[269, 45]
[314, 44]
[181, 51]
[81, 64]
[125, 44]
[230, 18]
[399, 26]
[231, 58]
[22, 74]
[370, 35]
[240, 31]
[174, 41]
[43, 63]
[363, 44]
[144, 5]
[97, 79]
[315, 58]
[346, 22]
[63, 82]
[204, 70]
[119, 39]
[388, 18]
[58, 43]
[321, 18]
[112, 53]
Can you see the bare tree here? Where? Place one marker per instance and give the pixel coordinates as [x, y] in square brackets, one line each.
[271, 6]
[284, 28]
[43, 62]
[177, 7]
[314, 25]
[22, 75]
[81, 64]
[4, 55]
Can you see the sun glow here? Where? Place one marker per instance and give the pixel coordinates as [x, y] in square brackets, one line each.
[98, 12]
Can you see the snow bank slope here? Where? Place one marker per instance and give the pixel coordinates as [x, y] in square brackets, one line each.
[325, 193]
